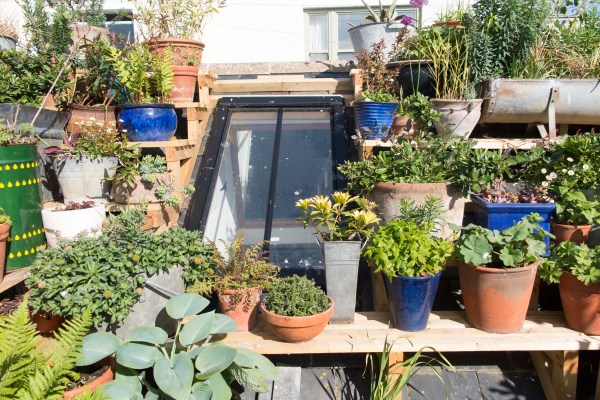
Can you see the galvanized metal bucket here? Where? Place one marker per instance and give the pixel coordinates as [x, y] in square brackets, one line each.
[341, 277]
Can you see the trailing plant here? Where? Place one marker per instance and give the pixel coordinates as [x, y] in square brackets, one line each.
[194, 365]
[574, 208]
[33, 371]
[241, 270]
[518, 246]
[402, 248]
[296, 296]
[11, 134]
[427, 214]
[347, 218]
[578, 259]
[4, 218]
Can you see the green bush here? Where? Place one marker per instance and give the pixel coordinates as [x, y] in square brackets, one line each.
[577, 259]
[296, 296]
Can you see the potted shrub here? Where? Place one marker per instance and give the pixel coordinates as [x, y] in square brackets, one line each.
[20, 193]
[411, 258]
[238, 280]
[296, 309]
[113, 271]
[576, 269]
[575, 215]
[194, 361]
[5, 224]
[343, 226]
[66, 221]
[497, 272]
[177, 25]
[376, 106]
[148, 80]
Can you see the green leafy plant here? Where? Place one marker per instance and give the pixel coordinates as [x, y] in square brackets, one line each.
[109, 271]
[402, 248]
[574, 208]
[427, 214]
[377, 79]
[418, 107]
[295, 296]
[378, 96]
[241, 270]
[346, 218]
[33, 371]
[194, 365]
[11, 134]
[517, 246]
[577, 259]
[4, 218]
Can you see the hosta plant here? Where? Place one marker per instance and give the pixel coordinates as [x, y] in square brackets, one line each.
[577, 259]
[296, 296]
[193, 365]
[518, 246]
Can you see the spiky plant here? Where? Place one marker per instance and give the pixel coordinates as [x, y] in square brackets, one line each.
[384, 15]
[31, 371]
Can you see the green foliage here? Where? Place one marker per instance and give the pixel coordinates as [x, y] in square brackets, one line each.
[376, 77]
[95, 140]
[418, 107]
[574, 208]
[378, 96]
[518, 246]
[426, 214]
[577, 259]
[401, 248]
[27, 77]
[386, 385]
[4, 218]
[383, 15]
[108, 271]
[9, 134]
[34, 372]
[195, 366]
[296, 296]
[499, 193]
[347, 218]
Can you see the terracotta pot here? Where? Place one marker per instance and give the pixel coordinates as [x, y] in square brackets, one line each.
[496, 299]
[185, 51]
[453, 23]
[47, 324]
[4, 231]
[581, 304]
[244, 317]
[297, 329]
[149, 225]
[83, 114]
[402, 127]
[106, 377]
[570, 233]
[184, 83]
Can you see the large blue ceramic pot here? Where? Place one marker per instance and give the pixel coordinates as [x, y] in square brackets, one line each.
[411, 300]
[373, 119]
[147, 122]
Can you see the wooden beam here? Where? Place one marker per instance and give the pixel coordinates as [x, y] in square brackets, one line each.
[13, 278]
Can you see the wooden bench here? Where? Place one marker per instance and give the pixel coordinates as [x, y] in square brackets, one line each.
[554, 348]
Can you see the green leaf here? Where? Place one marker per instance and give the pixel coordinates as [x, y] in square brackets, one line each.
[176, 381]
[148, 334]
[128, 375]
[249, 379]
[511, 256]
[476, 250]
[197, 329]
[223, 324]
[186, 305]
[137, 355]
[97, 346]
[121, 390]
[220, 388]
[213, 359]
[202, 391]
[249, 359]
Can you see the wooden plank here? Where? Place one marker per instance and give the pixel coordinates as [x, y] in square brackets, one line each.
[395, 368]
[277, 83]
[13, 278]
[542, 366]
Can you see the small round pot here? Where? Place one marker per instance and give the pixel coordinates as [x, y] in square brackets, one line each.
[47, 324]
[90, 387]
[184, 50]
[496, 299]
[4, 232]
[297, 329]
[411, 300]
[244, 318]
[184, 83]
[570, 233]
[67, 224]
[147, 122]
[581, 304]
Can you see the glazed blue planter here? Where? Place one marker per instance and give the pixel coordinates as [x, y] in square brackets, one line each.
[147, 122]
[502, 216]
[411, 300]
[373, 119]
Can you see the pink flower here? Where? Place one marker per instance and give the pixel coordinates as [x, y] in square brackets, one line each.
[406, 20]
[418, 3]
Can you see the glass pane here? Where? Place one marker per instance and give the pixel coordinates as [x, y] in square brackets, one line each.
[318, 57]
[240, 197]
[346, 56]
[345, 22]
[123, 31]
[317, 32]
[305, 168]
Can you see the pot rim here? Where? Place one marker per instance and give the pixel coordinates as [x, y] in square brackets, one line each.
[389, 185]
[158, 42]
[477, 198]
[380, 23]
[567, 226]
[96, 207]
[503, 270]
[416, 278]
[145, 105]
[304, 318]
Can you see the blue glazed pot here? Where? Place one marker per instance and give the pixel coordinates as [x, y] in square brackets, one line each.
[147, 122]
[502, 216]
[411, 300]
[374, 120]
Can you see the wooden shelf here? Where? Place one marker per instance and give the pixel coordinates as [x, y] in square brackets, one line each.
[13, 278]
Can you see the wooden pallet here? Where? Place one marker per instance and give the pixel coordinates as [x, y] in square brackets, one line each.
[554, 347]
[13, 278]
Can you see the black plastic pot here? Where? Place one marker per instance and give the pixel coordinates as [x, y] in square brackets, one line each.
[413, 76]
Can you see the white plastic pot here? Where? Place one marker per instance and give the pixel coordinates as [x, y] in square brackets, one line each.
[67, 224]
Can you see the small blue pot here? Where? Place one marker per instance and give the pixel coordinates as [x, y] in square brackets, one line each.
[411, 300]
[374, 120]
[147, 122]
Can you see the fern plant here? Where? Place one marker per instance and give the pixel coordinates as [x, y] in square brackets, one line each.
[30, 371]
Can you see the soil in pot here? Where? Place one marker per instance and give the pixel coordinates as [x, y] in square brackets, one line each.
[90, 378]
[571, 233]
[245, 312]
[7, 306]
[297, 329]
[496, 299]
[581, 304]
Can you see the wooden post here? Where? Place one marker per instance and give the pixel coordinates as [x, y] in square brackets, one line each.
[395, 368]
[557, 371]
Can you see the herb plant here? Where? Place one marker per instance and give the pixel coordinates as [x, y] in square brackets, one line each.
[402, 248]
[517, 246]
[577, 259]
[295, 296]
[4, 218]
[426, 214]
[347, 218]
[194, 365]
[574, 208]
